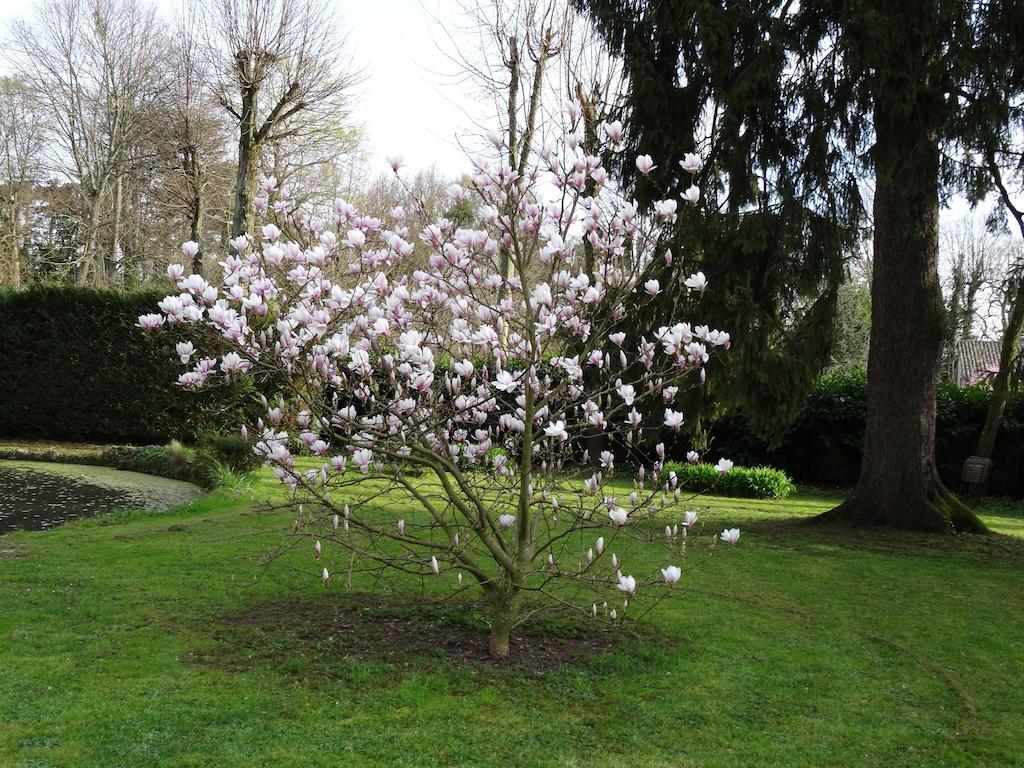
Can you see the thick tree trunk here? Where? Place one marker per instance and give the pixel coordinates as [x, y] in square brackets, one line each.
[248, 164]
[899, 483]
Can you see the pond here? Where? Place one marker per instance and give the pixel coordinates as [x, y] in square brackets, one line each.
[36, 495]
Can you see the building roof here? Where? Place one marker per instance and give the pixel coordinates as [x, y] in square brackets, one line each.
[976, 360]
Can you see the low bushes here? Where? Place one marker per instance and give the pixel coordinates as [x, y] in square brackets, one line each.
[740, 482]
[215, 460]
[823, 445]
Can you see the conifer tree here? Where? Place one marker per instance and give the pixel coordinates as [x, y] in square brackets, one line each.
[801, 99]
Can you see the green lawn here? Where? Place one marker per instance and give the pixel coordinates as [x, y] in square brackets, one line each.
[801, 647]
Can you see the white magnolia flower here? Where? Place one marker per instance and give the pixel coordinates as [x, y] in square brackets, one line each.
[619, 516]
[671, 573]
[627, 584]
[730, 535]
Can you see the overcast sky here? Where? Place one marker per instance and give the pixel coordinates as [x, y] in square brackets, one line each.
[410, 103]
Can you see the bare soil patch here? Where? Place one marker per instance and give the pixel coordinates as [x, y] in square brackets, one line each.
[367, 627]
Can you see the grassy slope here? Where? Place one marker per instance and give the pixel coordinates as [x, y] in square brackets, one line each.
[800, 647]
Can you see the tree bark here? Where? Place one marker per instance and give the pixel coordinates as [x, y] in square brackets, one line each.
[114, 265]
[248, 164]
[89, 261]
[503, 617]
[196, 223]
[899, 482]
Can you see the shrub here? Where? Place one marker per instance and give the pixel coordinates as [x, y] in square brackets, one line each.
[739, 482]
[823, 446]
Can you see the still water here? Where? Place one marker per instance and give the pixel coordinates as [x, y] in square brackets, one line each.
[35, 496]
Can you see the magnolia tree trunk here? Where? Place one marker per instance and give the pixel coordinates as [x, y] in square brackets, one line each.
[504, 614]
[899, 484]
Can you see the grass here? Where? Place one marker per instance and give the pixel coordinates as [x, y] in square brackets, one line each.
[803, 646]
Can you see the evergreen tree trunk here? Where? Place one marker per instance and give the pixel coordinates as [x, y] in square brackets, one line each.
[899, 482]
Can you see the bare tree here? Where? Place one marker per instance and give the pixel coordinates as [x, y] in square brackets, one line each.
[197, 135]
[21, 146]
[319, 159]
[97, 65]
[1013, 314]
[279, 58]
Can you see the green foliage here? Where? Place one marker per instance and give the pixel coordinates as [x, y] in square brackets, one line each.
[219, 456]
[173, 461]
[796, 626]
[824, 444]
[852, 329]
[76, 368]
[780, 206]
[739, 482]
[215, 461]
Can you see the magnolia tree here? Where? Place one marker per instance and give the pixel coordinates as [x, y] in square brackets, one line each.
[469, 396]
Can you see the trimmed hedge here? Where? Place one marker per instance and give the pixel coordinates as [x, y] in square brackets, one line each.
[740, 482]
[75, 367]
[824, 444]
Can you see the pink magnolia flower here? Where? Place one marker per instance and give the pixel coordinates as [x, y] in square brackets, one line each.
[690, 163]
[613, 130]
[150, 322]
[673, 419]
[645, 164]
[556, 430]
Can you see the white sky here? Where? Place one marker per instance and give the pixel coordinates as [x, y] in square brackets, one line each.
[409, 103]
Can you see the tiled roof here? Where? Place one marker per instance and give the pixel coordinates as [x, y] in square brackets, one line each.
[976, 359]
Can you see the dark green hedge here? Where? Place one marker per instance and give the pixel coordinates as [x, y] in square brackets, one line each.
[823, 446]
[75, 367]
